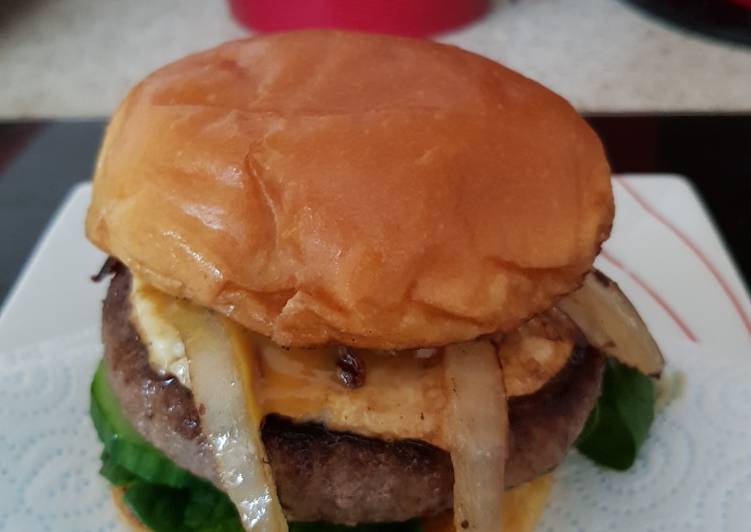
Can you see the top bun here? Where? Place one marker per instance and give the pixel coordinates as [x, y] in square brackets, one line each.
[374, 191]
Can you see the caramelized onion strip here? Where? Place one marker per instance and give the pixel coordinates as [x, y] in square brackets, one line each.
[221, 379]
[478, 423]
[611, 323]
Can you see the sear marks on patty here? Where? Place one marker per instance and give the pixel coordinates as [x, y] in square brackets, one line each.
[334, 476]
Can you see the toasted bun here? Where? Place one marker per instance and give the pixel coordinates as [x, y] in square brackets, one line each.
[374, 191]
[522, 508]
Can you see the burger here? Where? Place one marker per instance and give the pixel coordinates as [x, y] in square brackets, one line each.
[352, 286]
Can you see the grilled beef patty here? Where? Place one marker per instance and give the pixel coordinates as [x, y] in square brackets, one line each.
[333, 476]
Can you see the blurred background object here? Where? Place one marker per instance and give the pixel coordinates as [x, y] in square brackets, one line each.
[723, 19]
[78, 58]
[400, 17]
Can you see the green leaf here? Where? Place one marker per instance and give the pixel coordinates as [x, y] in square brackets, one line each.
[148, 463]
[114, 472]
[620, 421]
[158, 507]
[201, 508]
[210, 510]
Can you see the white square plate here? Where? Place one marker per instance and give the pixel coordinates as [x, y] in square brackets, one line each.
[693, 474]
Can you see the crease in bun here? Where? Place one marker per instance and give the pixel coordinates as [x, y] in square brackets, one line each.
[374, 191]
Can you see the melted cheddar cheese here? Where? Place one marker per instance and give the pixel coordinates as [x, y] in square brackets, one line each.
[404, 395]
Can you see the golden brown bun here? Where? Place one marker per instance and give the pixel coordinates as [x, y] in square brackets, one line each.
[339, 187]
[522, 509]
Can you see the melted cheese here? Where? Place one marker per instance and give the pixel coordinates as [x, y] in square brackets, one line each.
[404, 395]
[163, 342]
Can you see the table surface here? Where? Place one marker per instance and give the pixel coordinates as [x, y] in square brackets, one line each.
[78, 58]
[41, 161]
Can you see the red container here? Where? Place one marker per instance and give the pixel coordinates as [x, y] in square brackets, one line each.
[402, 17]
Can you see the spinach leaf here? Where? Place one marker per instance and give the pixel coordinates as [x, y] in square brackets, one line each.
[114, 472]
[619, 423]
[158, 507]
[210, 510]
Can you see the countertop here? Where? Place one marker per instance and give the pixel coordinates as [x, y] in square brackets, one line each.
[77, 58]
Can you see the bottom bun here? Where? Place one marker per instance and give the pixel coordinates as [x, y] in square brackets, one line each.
[523, 507]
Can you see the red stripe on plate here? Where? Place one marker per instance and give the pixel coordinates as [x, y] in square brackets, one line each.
[694, 249]
[682, 325]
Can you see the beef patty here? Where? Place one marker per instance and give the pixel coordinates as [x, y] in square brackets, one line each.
[335, 476]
